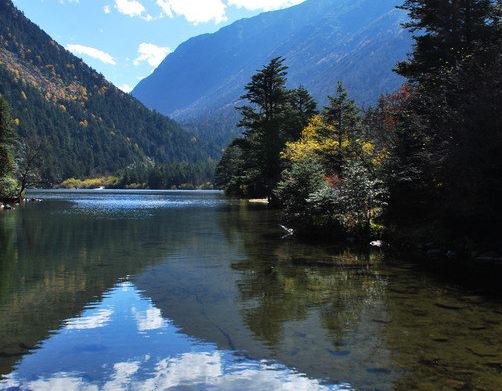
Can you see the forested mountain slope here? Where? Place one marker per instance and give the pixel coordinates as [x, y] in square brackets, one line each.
[86, 125]
[355, 41]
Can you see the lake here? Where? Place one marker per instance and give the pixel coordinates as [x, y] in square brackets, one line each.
[112, 290]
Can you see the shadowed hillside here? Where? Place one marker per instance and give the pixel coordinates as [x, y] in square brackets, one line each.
[87, 126]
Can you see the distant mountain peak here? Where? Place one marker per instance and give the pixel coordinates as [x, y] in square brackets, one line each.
[323, 41]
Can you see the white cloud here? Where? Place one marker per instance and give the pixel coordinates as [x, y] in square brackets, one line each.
[151, 53]
[98, 320]
[195, 11]
[166, 7]
[200, 370]
[91, 52]
[61, 382]
[203, 11]
[264, 5]
[151, 319]
[125, 87]
[130, 7]
[121, 379]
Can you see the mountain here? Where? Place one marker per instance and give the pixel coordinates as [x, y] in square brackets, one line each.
[323, 41]
[86, 125]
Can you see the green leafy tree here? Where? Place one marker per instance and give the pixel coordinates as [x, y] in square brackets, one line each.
[303, 179]
[28, 161]
[314, 204]
[341, 111]
[359, 198]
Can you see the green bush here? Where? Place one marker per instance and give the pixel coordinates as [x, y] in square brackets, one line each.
[9, 188]
[315, 204]
[304, 179]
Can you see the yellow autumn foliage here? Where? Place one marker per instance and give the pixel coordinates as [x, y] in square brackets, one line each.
[320, 139]
[317, 139]
[90, 183]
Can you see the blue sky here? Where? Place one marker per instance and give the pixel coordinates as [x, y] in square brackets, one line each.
[126, 39]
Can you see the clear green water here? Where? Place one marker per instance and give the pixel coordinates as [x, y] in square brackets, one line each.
[189, 291]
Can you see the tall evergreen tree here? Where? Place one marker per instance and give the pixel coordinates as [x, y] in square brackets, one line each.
[302, 107]
[263, 120]
[342, 113]
[448, 32]
[452, 123]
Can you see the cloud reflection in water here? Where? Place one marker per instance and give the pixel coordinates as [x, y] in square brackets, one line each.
[124, 343]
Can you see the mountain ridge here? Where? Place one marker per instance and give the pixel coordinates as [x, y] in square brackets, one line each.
[323, 41]
[85, 124]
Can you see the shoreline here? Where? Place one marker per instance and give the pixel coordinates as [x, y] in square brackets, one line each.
[478, 266]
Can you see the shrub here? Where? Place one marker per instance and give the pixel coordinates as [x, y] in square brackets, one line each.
[9, 188]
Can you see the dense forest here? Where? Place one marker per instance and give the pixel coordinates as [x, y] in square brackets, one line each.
[422, 165]
[82, 125]
[8, 183]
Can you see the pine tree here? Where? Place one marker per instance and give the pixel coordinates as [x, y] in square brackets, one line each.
[448, 32]
[342, 113]
[302, 107]
[452, 128]
[263, 122]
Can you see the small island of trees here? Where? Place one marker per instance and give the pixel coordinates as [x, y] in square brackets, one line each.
[423, 163]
